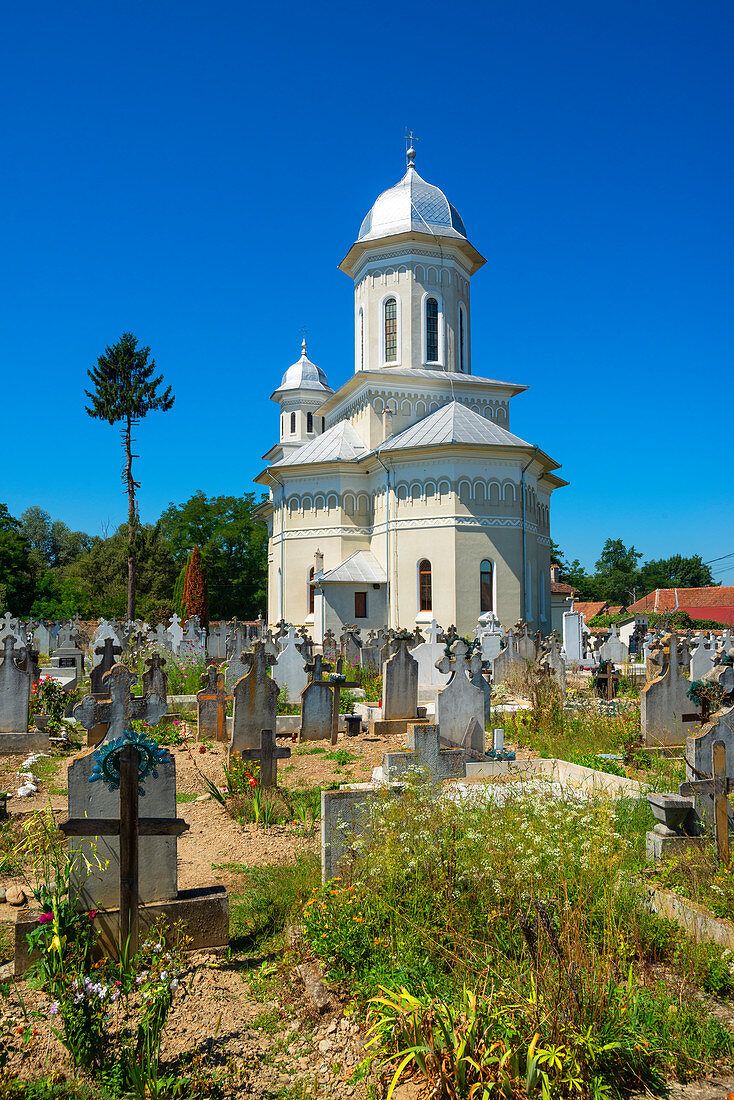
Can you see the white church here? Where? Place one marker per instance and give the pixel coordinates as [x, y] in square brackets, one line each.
[403, 496]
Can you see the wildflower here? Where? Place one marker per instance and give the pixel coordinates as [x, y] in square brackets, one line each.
[92, 914]
[19, 1031]
[202, 748]
[45, 918]
[173, 985]
[57, 943]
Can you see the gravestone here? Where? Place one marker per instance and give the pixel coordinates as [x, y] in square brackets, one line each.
[369, 658]
[15, 689]
[508, 661]
[42, 637]
[211, 706]
[477, 678]
[345, 816]
[489, 635]
[525, 643]
[11, 626]
[459, 702]
[703, 658]
[255, 704]
[236, 640]
[193, 641]
[427, 654]
[317, 700]
[551, 657]
[665, 709]
[351, 645]
[175, 633]
[216, 642]
[104, 630]
[424, 755]
[237, 667]
[155, 678]
[330, 647]
[290, 669]
[108, 652]
[614, 649]
[400, 686]
[161, 637]
[120, 706]
[573, 636]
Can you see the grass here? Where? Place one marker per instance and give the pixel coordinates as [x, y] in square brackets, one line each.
[186, 796]
[7, 941]
[504, 928]
[271, 898]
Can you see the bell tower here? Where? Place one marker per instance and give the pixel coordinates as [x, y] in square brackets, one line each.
[302, 390]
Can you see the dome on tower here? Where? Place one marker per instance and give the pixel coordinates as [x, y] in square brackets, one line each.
[304, 375]
[412, 205]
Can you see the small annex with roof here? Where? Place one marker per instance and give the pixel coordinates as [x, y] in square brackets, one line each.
[404, 495]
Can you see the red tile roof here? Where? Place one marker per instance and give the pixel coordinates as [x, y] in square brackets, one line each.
[558, 588]
[590, 609]
[666, 599]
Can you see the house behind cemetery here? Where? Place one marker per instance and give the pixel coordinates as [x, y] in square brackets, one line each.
[404, 496]
[714, 603]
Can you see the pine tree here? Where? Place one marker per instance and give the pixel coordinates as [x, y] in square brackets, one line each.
[194, 593]
[125, 391]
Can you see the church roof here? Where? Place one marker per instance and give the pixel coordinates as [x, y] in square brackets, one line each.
[340, 443]
[412, 205]
[453, 423]
[362, 567]
[304, 375]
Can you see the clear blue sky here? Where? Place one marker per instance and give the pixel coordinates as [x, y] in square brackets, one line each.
[195, 172]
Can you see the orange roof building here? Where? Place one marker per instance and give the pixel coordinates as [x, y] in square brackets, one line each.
[715, 603]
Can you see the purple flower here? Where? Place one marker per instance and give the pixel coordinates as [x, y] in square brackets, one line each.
[53, 1010]
[45, 918]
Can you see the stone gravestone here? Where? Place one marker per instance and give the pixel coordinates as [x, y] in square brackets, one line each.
[103, 631]
[702, 659]
[193, 638]
[427, 654]
[255, 704]
[317, 701]
[525, 643]
[290, 669]
[11, 626]
[161, 637]
[119, 706]
[237, 667]
[489, 635]
[211, 706]
[614, 649]
[477, 678]
[507, 661]
[699, 747]
[425, 755]
[108, 652]
[175, 633]
[155, 678]
[665, 708]
[216, 642]
[330, 647]
[400, 686]
[459, 702]
[42, 637]
[552, 658]
[573, 636]
[351, 644]
[15, 689]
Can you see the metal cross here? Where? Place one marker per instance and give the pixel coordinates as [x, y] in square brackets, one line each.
[718, 786]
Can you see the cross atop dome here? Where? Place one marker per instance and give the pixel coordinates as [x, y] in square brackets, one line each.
[410, 149]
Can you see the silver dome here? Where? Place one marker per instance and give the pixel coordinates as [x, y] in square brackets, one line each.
[412, 205]
[304, 375]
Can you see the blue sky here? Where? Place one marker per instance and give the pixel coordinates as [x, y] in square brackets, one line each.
[195, 172]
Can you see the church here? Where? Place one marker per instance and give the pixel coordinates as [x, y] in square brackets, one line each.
[403, 496]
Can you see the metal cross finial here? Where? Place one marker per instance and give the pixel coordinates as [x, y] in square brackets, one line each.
[304, 334]
[410, 141]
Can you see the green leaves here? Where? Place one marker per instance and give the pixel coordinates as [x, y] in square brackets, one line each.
[123, 383]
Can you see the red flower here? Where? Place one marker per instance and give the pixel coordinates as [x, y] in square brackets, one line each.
[92, 914]
[202, 748]
[45, 918]
[252, 781]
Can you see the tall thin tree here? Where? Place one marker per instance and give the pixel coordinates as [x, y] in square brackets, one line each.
[125, 391]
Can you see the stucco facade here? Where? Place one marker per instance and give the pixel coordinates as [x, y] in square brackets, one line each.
[404, 496]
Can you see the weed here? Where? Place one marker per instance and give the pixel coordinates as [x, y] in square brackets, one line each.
[271, 896]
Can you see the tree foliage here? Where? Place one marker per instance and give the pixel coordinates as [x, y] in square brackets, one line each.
[17, 572]
[194, 590]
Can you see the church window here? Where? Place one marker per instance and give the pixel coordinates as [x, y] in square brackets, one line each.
[486, 587]
[431, 330]
[323, 423]
[462, 341]
[311, 591]
[309, 422]
[425, 595]
[360, 605]
[361, 339]
[293, 423]
[391, 330]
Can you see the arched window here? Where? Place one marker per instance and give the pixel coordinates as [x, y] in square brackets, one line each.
[462, 342]
[361, 339]
[391, 330]
[311, 591]
[425, 596]
[486, 587]
[293, 423]
[431, 330]
[323, 423]
[309, 422]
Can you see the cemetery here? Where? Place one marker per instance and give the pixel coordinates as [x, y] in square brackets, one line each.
[482, 807]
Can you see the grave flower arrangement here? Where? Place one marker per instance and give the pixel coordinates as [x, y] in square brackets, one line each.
[49, 697]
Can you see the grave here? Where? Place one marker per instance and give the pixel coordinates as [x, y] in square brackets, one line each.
[399, 693]
[614, 649]
[268, 755]
[428, 654]
[290, 668]
[345, 815]
[508, 661]
[489, 635]
[424, 755]
[237, 667]
[459, 702]
[108, 651]
[255, 704]
[155, 678]
[665, 709]
[119, 706]
[317, 702]
[478, 679]
[15, 693]
[211, 706]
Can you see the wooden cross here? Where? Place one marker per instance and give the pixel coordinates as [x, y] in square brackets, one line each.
[608, 677]
[129, 826]
[268, 754]
[215, 692]
[120, 706]
[717, 786]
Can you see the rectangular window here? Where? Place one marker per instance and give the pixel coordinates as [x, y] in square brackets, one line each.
[360, 605]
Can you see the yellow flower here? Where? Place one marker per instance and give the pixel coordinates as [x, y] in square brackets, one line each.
[56, 943]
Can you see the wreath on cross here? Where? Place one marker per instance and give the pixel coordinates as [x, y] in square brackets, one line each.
[107, 760]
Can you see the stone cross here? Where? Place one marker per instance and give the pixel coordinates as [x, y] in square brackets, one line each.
[425, 753]
[211, 704]
[718, 786]
[268, 754]
[108, 652]
[15, 689]
[120, 707]
[255, 703]
[155, 679]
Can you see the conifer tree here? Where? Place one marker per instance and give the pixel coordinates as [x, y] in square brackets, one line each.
[194, 594]
[125, 391]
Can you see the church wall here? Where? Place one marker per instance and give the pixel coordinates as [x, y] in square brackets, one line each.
[503, 547]
[339, 606]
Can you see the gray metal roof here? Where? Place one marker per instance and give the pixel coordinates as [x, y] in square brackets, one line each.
[340, 443]
[304, 375]
[361, 567]
[454, 423]
[412, 205]
[455, 377]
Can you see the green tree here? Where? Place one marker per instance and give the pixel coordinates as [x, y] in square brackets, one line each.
[675, 572]
[124, 390]
[101, 573]
[18, 571]
[617, 573]
[233, 550]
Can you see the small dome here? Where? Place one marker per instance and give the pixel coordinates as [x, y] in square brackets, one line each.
[412, 205]
[304, 375]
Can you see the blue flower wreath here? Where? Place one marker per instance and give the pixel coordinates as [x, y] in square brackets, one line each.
[107, 760]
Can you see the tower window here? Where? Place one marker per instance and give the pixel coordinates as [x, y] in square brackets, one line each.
[425, 596]
[309, 422]
[311, 591]
[361, 339]
[391, 330]
[431, 330]
[486, 594]
[293, 423]
[462, 342]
